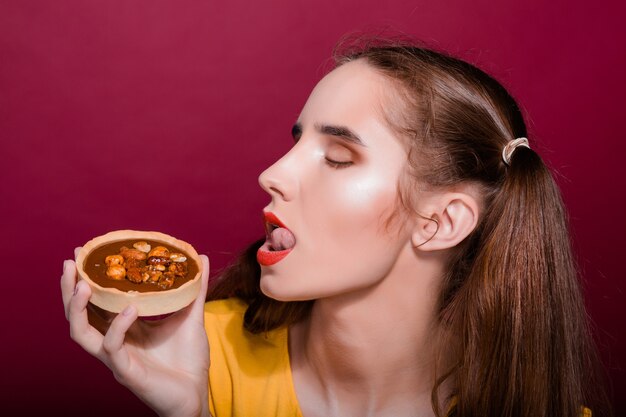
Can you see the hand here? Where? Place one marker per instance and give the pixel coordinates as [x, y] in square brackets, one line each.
[165, 362]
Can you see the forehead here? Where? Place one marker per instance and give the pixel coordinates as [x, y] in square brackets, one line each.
[349, 95]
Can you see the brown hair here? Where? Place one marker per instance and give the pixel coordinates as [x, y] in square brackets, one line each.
[511, 302]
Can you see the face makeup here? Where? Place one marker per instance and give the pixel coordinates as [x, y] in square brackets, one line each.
[335, 189]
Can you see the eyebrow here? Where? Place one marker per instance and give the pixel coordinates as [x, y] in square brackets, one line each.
[341, 132]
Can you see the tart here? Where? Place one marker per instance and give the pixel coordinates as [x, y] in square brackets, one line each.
[155, 272]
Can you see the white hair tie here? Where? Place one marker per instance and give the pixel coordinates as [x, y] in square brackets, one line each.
[510, 147]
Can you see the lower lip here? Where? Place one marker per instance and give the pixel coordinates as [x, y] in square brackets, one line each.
[266, 257]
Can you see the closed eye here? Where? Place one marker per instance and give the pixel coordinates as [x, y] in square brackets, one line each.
[337, 155]
[338, 164]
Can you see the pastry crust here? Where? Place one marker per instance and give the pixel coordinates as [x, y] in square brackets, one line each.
[152, 303]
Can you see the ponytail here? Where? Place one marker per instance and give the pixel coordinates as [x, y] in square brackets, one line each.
[519, 315]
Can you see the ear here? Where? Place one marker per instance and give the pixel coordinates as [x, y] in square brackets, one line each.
[448, 218]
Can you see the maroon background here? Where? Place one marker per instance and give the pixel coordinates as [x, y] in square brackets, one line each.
[160, 115]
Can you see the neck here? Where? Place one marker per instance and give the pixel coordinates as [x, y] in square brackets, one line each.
[373, 345]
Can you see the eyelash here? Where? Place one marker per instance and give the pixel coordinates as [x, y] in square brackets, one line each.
[338, 164]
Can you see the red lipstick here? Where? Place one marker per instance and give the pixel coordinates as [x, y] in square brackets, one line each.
[265, 255]
[270, 218]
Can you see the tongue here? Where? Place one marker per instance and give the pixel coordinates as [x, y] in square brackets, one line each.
[281, 239]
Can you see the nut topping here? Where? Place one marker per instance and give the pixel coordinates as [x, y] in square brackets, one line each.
[114, 260]
[142, 246]
[134, 275]
[178, 257]
[116, 272]
[145, 265]
[132, 254]
[161, 251]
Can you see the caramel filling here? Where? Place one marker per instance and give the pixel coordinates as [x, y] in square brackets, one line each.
[140, 265]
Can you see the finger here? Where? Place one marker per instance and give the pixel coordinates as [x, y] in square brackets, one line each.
[76, 250]
[198, 304]
[113, 343]
[68, 283]
[80, 329]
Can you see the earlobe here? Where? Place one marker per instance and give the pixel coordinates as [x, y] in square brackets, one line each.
[453, 217]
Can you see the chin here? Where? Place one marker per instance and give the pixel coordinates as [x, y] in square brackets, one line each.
[273, 291]
[273, 288]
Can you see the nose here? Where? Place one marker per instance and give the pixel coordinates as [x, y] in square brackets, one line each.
[280, 179]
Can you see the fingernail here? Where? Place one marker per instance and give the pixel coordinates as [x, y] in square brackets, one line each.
[64, 265]
[127, 311]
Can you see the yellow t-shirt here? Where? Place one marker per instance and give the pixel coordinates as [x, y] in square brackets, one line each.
[250, 374]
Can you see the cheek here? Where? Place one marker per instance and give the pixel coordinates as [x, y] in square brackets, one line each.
[345, 248]
[363, 205]
[345, 245]
[348, 223]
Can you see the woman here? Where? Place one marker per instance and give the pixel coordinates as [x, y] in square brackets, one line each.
[417, 263]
